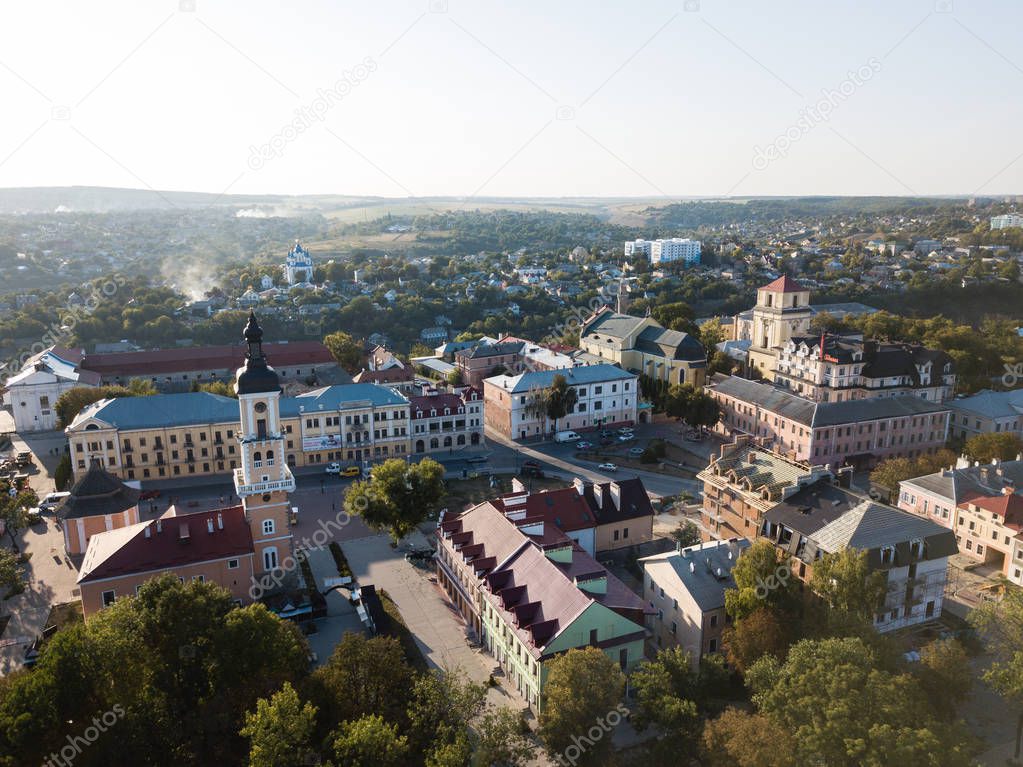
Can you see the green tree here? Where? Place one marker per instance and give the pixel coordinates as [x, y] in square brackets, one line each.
[945, 675]
[14, 512]
[1003, 446]
[761, 580]
[440, 708]
[370, 741]
[501, 739]
[346, 350]
[666, 688]
[677, 316]
[1000, 626]
[398, 496]
[455, 377]
[583, 688]
[741, 739]
[846, 583]
[686, 534]
[63, 473]
[760, 633]
[850, 713]
[280, 730]
[75, 400]
[560, 399]
[221, 388]
[890, 472]
[11, 572]
[363, 676]
[695, 407]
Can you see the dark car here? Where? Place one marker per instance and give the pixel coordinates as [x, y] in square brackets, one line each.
[529, 471]
[530, 464]
[476, 459]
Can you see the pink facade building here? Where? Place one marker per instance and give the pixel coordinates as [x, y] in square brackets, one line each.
[854, 432]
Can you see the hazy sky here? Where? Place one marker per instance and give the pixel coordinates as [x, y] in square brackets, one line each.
[537, 98]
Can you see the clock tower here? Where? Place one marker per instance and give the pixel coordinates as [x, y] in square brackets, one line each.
[264, 480]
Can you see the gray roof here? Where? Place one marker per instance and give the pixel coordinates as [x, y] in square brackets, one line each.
[818, 414]
[188, 408]
[844, 309]
[963, 483]
[702, 580]
[830, 518]
[580, 376]
[612, 324]
[991, 404]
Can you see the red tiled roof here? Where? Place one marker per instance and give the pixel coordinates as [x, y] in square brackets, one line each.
[129, 551]
[565, 508]
[784, 284]
[1009, 506]
[435, 401]
[162, 361]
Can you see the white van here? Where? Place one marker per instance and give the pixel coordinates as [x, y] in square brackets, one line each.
[566, 436]
[52, 501]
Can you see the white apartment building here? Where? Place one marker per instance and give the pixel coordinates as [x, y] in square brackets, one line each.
[675, 249]
[638, 248]
[1007, 221]
[606, 395]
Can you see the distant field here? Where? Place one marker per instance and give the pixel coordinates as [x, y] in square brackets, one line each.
[376, 209]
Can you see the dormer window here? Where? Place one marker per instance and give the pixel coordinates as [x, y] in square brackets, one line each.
[887, 555]
[916, 548]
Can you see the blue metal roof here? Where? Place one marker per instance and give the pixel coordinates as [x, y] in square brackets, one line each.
[195, 408]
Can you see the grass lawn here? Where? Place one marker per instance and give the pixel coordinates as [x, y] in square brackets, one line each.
[469, 492]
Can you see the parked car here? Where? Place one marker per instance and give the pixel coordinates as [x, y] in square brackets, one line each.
[476, 459]
[626, 430]
[52, 501]
[636, 452]
[530, 464]
[608, 467]
[626, 437]
[607, 440]
[584, 445]
[24, 459]
[566, 436]
[531, 471]
[333, 468]
[351, 471]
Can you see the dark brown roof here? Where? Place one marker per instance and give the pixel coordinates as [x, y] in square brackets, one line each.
[784, 284]
[97, 493]
[186, 359]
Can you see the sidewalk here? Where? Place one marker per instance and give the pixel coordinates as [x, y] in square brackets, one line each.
[341, 615]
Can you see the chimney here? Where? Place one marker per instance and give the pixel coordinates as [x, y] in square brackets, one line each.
[579, 484]
[616, 495]
[220, 521]
[148, 534]
[209, 526]
[159, 526]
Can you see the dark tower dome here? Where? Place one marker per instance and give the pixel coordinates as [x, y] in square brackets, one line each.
[255, 376]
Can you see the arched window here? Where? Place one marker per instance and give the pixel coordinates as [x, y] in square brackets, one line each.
[269, 558]
[461, 439]
[257, 458]
[268, 527]
[434, 443]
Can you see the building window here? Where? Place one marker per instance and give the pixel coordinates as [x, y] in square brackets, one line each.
[108, 598]
[269, 558]
[713, 646]
[232, 564]
[268, 527]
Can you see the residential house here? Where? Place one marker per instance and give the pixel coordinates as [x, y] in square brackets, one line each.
[981, 504]
[912, 552]
[686, 588]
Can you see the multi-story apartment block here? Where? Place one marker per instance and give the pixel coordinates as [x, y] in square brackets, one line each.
[1007, 221]
[637, 248]
[445, 422]
[825, 518]
[531, 593]
[830, 368]
[642, 346]
[981, 504]
[687, 589]
[987, 412]
[858, 432]
[235, 547]
[606, 395]
[744, 481]
[194, 434]
[675, 249]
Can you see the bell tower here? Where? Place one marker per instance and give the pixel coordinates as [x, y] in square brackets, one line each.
[264, 480]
